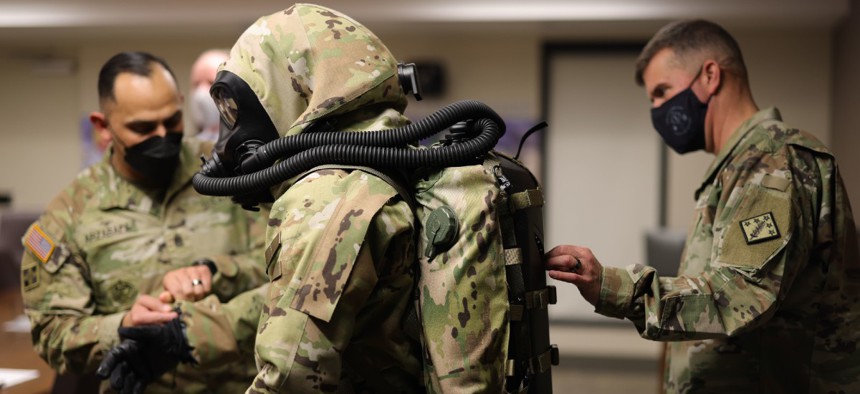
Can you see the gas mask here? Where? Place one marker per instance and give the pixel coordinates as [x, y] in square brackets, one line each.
[245, 124]
[681, 120]
[155, 158]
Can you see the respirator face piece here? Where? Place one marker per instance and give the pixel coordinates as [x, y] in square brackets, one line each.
[245, 124]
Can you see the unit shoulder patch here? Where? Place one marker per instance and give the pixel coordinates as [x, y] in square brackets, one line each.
[39, 243]
[30, 276]
[759, 228]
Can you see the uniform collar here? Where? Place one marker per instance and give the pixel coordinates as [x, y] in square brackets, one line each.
[734, 142]
[114, 191]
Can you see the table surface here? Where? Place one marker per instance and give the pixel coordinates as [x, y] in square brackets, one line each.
[16, 348]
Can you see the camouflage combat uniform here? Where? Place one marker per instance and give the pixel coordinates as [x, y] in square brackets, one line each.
[340, 243]
[103, 241]
[223, 333]
[769, 294]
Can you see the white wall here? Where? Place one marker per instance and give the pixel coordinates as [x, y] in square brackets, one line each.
[603, 164]
[502, 71]
[39, 151]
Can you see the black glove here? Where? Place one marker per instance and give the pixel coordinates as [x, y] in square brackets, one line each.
[145, 353]
[116, 366]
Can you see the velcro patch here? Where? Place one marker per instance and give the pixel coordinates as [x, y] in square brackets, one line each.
[30, 277]
[273, 268]
[759, 228]
[39, 243]
[743, 243]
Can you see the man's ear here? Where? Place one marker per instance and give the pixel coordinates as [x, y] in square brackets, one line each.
[99, 121]
[713, 75]
[101, 135]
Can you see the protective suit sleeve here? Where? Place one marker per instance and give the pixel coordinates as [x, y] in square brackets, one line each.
[323, 272]
[221, 333]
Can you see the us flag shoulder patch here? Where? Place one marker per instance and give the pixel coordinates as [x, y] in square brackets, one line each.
[39, 243]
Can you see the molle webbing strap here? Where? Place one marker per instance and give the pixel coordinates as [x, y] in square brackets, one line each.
[521, 200]
[537, 299]
[510, 371]
[514, 272]
[544, 361]
[540, 299]
[535, 365]
[526, 199]
[513, 256]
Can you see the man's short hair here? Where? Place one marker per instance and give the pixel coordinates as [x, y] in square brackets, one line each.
[691, 40]
[135, 62]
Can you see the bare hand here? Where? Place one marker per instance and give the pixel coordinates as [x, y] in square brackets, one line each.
[148, 310]
[576, 265]
[166, 297]
[189, 283]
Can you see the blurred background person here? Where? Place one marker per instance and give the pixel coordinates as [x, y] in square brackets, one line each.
[204, 115]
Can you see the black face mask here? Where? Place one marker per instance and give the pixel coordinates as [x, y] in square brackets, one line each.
[156, 158]
[681, 121]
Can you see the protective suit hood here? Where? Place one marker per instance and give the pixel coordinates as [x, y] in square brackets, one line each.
[308, 62]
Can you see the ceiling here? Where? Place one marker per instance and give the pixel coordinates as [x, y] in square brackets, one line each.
[59, 22]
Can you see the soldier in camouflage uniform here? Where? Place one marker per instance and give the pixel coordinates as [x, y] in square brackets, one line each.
[220, 333]
[340, 243]
[112, 235]
[768, 296]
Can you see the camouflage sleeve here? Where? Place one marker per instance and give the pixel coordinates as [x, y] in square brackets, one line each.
[463, 292]
[759, 249]
[59, 302]
[321, 276]
[223, 333]
[244, 270]
[723, 302]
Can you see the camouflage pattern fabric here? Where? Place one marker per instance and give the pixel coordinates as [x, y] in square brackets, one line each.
[307, 62]
[102, 241]
[223, 333]
[463, 291]
[340, 243]
[342, 253]
[769, 294]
